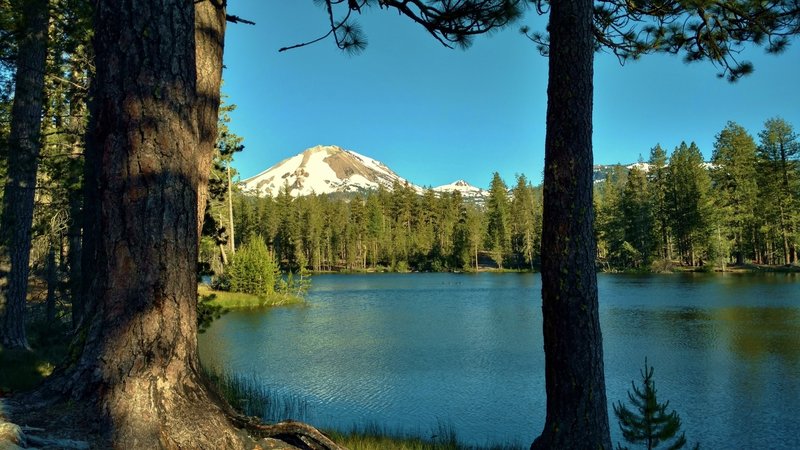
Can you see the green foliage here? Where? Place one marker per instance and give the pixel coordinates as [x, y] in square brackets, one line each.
[217, 232]
[295, 285]
[677, 210]
[252, 269]
[690, 203]
[648, 422]
[714, 31]
[207, 311]
[498, 236]
[734, 178]
[778, 181]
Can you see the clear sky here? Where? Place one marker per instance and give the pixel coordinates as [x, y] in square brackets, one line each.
[435, 115]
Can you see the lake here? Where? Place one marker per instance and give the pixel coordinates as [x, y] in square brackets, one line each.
[408, 351]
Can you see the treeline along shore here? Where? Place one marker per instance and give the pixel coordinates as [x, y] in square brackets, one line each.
[673, 211]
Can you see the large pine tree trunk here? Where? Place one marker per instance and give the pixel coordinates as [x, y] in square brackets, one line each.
[139, 363]
[210, 44]
[23, 162]
[139, 366]
[577, 415]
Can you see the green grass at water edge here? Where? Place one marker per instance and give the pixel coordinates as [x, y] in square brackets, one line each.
[248, 395]
[234, 300]
[373, 436]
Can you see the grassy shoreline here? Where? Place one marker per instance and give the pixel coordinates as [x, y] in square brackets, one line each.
[248, 395]
[238, 300]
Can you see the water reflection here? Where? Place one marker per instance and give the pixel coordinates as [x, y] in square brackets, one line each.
[757, 333]
[409, 350]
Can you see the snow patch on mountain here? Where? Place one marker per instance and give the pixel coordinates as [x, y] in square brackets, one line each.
[324, 169]
[466, 190]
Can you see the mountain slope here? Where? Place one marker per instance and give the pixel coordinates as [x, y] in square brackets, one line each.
[324, 170]
[467, 191]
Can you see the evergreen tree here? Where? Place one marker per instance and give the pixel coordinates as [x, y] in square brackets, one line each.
[609, 227]
[24, 147]
[525, 226]
[648, 423]
[218, 226]
[734, 181]
[498, 235]
[657, 178]
[637, 218]
[779, 181]
[252, 269]
[689, 201]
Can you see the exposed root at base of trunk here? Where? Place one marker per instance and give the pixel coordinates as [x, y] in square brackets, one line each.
[297, 434]
[53, 419]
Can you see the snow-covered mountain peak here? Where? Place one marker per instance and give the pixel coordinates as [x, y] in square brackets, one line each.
[467, 190]
[323, 169]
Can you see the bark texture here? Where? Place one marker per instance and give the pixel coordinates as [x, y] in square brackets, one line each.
[138, 369]
[139, 361]
[577, 415]
[210, 44]
[23, 162]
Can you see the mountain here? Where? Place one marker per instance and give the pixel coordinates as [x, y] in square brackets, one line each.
[467, 191]
[328, 169]
[324, 169]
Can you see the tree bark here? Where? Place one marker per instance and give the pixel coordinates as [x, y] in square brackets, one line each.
[52, 282]
[74, 256]
[209, 33]
[139, 362]
[577, 415]
[138, 367]
[23, 162]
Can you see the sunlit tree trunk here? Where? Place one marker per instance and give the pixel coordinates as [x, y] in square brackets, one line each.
[139, 362]
[23, 162]
[577, 415]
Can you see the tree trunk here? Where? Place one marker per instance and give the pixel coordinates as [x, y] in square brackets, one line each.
[138, 365]
[231, 233]
[209, 34]
[52, 284]
[139, 362]
[23, 162]
[785, 237]
[577, 415]
[74, 257]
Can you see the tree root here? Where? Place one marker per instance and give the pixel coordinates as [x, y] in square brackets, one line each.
[297, 434]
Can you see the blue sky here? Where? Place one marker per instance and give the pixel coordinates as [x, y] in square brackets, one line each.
[435, 115]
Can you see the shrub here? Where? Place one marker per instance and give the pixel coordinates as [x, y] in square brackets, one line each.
[252, 269]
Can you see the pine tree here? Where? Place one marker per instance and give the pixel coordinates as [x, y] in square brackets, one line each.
[657, 178]
[734, 177]
[779, 178]
[648, 423]
[689, 202]
[498, 235]
[525, 228]
[637, 218]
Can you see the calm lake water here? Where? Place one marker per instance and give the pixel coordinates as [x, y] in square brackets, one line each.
[411, 350]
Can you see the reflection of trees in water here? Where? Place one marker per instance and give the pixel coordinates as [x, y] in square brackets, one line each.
[674, 328]
[749, 332]
[759, 332]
